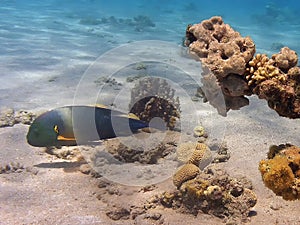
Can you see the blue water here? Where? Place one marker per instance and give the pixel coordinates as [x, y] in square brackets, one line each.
[54, 38]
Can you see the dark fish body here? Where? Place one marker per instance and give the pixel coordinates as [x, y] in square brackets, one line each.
[72, 125]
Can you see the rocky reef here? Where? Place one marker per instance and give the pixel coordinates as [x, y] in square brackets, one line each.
[281, 171]
[153, 97]
[231, 71]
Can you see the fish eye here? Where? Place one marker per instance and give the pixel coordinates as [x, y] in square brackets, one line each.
[55, 128]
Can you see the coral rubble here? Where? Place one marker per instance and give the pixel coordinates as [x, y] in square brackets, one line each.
[281, 171]
[230, 69]
[10, 117]
[153, 97]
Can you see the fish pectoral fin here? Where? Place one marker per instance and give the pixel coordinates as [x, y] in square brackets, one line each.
[62, 138]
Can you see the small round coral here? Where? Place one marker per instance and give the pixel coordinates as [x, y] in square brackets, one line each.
[199, 131]
[185, 173]
[201, 156]
[195, 153]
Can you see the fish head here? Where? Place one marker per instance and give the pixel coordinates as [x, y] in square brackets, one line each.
[43, 131]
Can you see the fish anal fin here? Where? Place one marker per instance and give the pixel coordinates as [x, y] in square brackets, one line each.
[62, 138]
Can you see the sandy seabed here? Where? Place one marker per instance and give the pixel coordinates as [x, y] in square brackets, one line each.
[45, 189]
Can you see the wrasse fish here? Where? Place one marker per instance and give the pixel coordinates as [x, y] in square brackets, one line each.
[72, 125]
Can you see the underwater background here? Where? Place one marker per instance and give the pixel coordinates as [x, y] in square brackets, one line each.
[47, 48]
[60, 39]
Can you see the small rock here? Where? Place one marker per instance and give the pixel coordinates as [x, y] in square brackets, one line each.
[102, 183]
[32, 170]
[118, 213]
[136, 211]
[153, 216]
[275, 206]
[85, 168]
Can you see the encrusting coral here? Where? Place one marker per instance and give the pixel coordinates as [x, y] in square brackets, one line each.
[153, 97]
[281, 171]
[229, 58]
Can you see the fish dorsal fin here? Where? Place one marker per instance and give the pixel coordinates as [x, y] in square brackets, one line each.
[101, 106]
[129, 116]
[133, 116]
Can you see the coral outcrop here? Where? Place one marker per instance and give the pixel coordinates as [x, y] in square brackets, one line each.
[154, 97]
[231, 72]
[214, 192]
[225, 53]
[281, 171]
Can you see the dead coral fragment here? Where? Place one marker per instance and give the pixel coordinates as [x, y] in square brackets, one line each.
[185, 173]
[282, 172]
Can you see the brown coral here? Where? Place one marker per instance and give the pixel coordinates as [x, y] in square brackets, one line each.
[153, 97]
[285, 59]
[185, 173]
[281, 173]
[225, 53]
[221, 48]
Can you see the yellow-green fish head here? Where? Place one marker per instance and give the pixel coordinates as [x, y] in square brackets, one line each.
[43, 131]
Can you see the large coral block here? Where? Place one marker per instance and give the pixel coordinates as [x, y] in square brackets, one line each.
[220, 47]
[281, 172]
[229, 57]
[225, 53]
